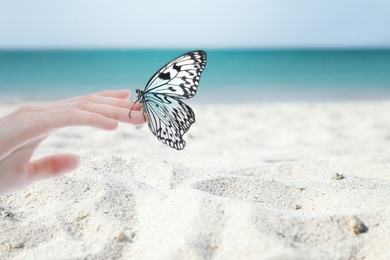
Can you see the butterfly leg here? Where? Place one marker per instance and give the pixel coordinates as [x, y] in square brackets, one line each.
[146, 118]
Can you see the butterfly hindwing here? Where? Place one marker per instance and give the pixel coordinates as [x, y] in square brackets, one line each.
[180, 77]
[169, 119]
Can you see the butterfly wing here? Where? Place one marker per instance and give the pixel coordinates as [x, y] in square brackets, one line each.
[180, 77]
[169, 118]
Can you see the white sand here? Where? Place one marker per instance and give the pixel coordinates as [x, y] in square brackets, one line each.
[254, 182]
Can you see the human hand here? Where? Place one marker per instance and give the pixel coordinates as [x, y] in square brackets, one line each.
[22, 131]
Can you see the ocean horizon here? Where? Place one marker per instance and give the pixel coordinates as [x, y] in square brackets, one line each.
[238, 75]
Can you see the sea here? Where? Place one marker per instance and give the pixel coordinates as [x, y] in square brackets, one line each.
[231, 76]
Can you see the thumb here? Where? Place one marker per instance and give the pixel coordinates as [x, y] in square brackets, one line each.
[52, 166]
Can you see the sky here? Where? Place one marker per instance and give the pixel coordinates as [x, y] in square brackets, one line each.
[194, 24]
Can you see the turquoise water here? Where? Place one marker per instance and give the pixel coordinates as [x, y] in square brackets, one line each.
[230, 75]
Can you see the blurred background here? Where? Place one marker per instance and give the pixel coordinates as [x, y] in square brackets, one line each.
[258, 50]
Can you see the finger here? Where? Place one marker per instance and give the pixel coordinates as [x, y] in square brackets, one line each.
[52, 166]
[55, 119]
[115, 102]
[118, 113]
[75, 117]
[115, 94]
[82, 103]
[122, 94]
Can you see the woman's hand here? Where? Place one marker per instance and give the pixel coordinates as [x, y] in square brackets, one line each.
[22, 131]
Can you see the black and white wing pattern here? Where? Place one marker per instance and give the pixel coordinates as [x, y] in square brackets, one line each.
[168, 117]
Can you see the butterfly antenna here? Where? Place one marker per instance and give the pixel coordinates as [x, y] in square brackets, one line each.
[132, 107]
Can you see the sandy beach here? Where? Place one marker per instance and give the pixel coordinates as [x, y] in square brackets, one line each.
[263, 181]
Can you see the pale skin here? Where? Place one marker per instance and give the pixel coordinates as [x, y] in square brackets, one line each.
[22, 131]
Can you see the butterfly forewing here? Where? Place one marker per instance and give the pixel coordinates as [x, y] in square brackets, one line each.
[180, 77]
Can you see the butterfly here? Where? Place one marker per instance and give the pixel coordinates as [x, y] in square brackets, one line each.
[169, 118]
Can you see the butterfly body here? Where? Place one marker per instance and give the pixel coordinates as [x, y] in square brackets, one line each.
[169, 118]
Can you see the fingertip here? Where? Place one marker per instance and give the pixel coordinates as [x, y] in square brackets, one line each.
[137, 106]
[64, 163]
[137, 118]
[71, 162]
[124, 93]
[111, 124]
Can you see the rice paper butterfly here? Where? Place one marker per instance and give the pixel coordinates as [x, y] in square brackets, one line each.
[169, 118]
